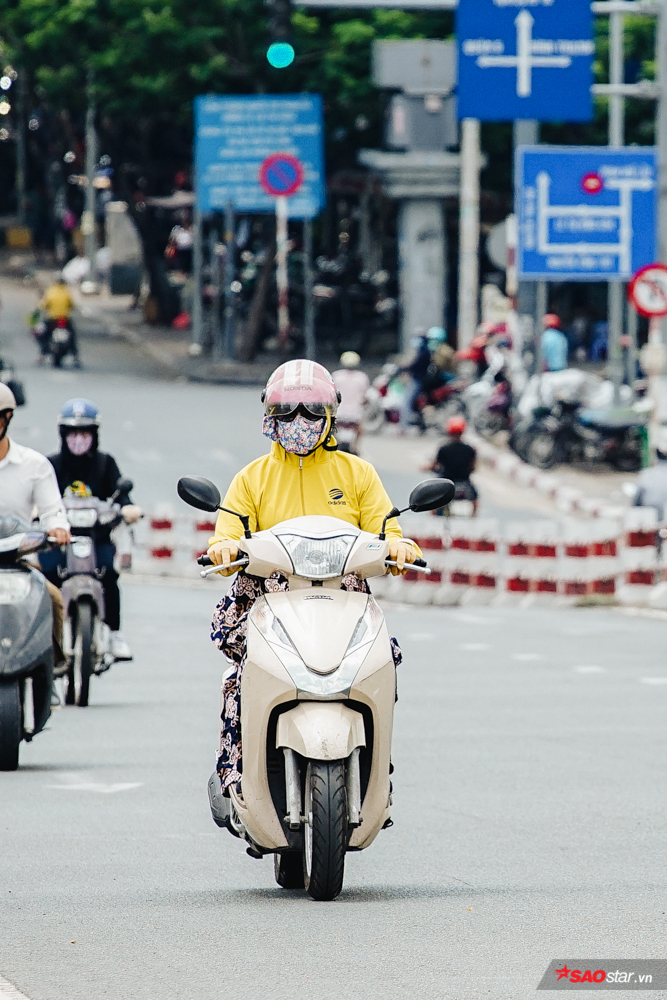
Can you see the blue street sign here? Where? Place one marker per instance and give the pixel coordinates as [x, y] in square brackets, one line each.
[525, 59]
[586, 213]
[233, 137]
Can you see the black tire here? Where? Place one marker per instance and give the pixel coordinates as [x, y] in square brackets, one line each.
[325, 830]
[628, 458]
[11, 725]
[81, 664]
[541, 450]
[288, 869]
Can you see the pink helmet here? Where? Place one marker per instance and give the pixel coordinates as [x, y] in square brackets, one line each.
[300, 386]
[551, 321]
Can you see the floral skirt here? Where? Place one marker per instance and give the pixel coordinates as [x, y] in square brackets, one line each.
[228, 631]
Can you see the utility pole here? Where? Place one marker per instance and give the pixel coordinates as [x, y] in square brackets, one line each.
[616, 138]
[230, 265]
[88, 225]
[308, 279]
[469, 231]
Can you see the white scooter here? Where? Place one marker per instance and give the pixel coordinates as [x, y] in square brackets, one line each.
[317, 694]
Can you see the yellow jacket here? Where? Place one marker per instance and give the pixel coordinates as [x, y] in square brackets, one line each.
[280, 486]
[57, 302]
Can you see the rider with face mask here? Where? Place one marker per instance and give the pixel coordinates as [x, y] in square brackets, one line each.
[83, 470]
[302, 474]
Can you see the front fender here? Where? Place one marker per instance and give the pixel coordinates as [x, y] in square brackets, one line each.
[321, 730]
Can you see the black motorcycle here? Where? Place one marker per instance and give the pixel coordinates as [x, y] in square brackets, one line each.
[567, 432]
[26, 645]
[86, 636]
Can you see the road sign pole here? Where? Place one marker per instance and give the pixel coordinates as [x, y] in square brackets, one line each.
[469, 231]
[230, 300]
[281, 271]
[631, 356]
[541, 307]
[197, 344]
[308, 281]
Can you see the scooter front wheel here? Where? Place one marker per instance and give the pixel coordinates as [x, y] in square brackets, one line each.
[10, 725]
[325, 831]
[81, 666]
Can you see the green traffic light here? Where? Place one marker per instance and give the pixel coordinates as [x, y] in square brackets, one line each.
[280, 55]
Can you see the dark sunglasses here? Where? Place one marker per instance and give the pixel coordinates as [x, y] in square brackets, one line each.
[287, 411]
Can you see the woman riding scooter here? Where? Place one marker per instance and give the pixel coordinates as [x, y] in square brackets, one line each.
[302, 474]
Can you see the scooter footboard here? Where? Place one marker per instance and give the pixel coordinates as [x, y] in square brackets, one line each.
[321, 730]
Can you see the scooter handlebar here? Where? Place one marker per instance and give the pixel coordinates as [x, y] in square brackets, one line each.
[204, 561]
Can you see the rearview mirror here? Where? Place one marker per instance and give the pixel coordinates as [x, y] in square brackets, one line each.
[432, 494]
[199, 492]
[124, 485]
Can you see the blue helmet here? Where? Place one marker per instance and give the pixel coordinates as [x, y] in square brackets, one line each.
[79, 413]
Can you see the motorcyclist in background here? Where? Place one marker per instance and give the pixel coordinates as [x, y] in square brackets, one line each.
[57, 303]
[353, 386]
[303, 474]
[83, 470]
[456, 460]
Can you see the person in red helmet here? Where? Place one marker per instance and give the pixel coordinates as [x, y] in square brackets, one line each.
[554, 344]
[304, 473]
[456, 460]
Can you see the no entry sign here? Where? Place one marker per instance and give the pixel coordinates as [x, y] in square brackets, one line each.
[281, 174]
[648, 290]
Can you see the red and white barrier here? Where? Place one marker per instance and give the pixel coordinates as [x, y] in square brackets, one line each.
[472, 560]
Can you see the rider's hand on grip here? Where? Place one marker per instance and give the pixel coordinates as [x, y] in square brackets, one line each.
[131, 513]
[60, 536]
[223, 553]
[401, 552]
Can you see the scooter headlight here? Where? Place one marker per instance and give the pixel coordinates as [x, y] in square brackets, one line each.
[318, 558]
[82, 517]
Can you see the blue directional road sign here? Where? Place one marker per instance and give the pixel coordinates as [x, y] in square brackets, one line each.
[233, 137]
[586, 213]
[525, 59]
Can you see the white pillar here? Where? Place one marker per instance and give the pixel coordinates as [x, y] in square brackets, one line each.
[422, 265]
[469, 231]
[616, 138]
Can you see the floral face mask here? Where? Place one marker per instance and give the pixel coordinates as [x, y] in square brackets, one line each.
[299, 436]
[80, 442]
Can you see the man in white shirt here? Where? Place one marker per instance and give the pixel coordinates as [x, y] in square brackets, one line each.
[28, 484]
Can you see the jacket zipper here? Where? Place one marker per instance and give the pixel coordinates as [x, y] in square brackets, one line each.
[303, 502]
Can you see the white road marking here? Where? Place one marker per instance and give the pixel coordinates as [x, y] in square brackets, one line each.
[9, 992]
[525, 657]
[474, 647]
[75, 782]
[589, 670]
[653, 680]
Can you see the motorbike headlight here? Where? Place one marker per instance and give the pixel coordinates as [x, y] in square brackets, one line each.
[14, 587]
[318, 558]
[82, 517]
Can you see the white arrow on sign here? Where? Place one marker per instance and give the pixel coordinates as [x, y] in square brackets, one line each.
[525, 59]
[77, 782]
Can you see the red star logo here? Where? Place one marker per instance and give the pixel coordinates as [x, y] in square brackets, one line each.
[562, 973]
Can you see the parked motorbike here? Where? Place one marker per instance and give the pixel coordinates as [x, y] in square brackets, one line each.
[566, 432]
[26, 645]
[317, 695]
[85, 634]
